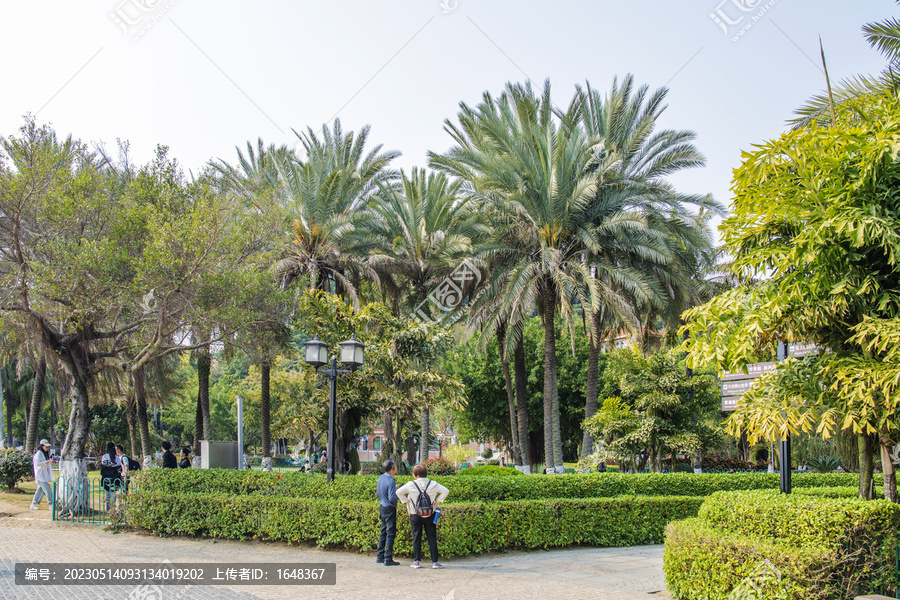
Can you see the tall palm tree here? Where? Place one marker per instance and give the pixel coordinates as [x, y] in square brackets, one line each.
[536, 167]
[323, 191]
[650, 239]
[883, 36]
[414, 234]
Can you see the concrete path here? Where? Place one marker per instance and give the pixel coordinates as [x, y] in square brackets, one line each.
[582, 573]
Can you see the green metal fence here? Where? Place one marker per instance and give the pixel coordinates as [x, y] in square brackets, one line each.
[89, 500]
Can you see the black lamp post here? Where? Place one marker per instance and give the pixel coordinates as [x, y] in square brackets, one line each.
[317, 355]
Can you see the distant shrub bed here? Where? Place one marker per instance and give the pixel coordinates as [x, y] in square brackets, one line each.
[474, 488]
[803, 545]
[490, 471]
[465, 528]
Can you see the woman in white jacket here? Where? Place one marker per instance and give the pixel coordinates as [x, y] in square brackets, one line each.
[409, 495]
[43, 475]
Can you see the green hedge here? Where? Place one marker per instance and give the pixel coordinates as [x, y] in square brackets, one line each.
[490, 471]
[477, 488]
[465, 527]
[823, 547]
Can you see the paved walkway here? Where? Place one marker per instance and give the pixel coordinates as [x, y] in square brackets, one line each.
[582, 573]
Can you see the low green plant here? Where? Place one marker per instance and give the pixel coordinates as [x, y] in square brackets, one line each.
[370, 468]
[439, 466]
[821, 547]
[589, 463]
[471, 488]
[491, 471]
[826, 464]
[15, 465]
[465, 528]
[487, 454]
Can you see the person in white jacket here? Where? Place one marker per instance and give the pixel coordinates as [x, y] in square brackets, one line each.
[409, 495]
[43, 475]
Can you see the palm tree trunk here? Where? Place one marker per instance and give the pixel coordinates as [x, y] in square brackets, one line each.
[521, 380]
[425, 434]
[553, 458]
[131, 419]
[140, 398]
[34, 412]
[593, 375]
[204, 365]
[887, 467]
[410, 437]
[510, 396]
[265, 373]
[198, 426]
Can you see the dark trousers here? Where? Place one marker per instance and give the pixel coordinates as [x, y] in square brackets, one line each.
[388, 516]
[418, 524]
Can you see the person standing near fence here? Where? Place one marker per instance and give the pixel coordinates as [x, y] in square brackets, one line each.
[43, 475]
[110, 473]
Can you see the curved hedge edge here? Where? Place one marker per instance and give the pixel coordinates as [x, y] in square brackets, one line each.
[802, 518]
[702, 562]
[465, 528]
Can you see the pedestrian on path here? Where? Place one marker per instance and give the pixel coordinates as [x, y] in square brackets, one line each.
[43, 475]
[185, 458]
[110, 472]
[422, 497]
[168, 459]
[386, 488]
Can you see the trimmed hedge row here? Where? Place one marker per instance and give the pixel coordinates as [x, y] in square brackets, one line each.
[465, 528]
[816, 546]
[476, 488]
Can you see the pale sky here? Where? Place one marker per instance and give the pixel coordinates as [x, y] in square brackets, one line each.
[203, 77]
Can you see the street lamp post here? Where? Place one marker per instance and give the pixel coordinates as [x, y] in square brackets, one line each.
[317, 355]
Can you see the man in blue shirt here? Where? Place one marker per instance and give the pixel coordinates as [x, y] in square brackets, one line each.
[387, 512]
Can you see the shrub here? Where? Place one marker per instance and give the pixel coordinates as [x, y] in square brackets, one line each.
[439, 466]
[724, 463]
[684, 468]
[491, 471]
[320, 467]
[15, 465]
[354, 461]
[824, 465]
[487, 454]
[465, 528]
[478, 489]
[370, 468]
[824, 547]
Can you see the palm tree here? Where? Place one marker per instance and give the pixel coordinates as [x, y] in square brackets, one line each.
[536, 169]
[884, 36]
[650, 242]
[414, 235]
[322, 193]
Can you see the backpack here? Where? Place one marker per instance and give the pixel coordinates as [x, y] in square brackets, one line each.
[424, 507]
[133, 465]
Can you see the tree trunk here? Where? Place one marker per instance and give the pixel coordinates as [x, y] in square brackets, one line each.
[204, 364]
[510, 395]
[140, 400]
[387, 448]
[866, 481]
[591, 391]
[425, 434]
[198, 426]
[887, 467]
[74, 498]
[131, 419]
[34, 412]
[552, 440]
[521, 381]
[265, 373]
[410, 437]
[398, 437]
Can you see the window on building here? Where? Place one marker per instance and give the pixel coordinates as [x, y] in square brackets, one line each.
[376, 443]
